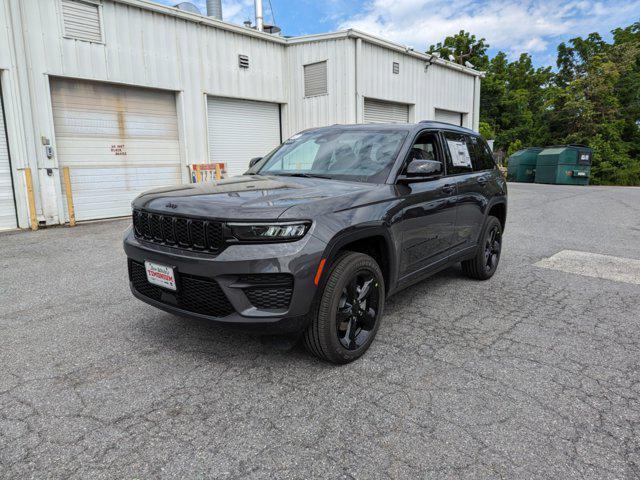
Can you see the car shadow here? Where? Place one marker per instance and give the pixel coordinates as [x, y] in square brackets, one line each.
[165, 331]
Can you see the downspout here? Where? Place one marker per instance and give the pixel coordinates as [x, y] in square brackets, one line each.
[476, 104]
[358, 78]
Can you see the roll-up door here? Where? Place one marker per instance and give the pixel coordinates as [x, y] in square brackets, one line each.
[240, 130]
[117, 142]
[377, 111]
[448, 116]
[7, 200]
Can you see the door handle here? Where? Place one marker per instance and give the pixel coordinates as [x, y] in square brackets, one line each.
[482, 180]
[448, 188]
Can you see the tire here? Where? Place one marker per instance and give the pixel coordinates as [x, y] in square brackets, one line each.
[485, 262]
[342, 328]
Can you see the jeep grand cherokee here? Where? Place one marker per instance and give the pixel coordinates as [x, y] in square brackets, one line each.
[315, 236]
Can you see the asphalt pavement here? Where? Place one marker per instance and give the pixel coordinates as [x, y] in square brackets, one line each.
[533, 374]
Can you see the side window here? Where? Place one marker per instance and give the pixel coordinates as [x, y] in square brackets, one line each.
[489, 161]
[481, 157]
[425, 148]
[459, 160]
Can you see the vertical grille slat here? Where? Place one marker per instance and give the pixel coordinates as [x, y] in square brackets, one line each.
[155, 228]
[197, 234]
[182, 232]
[144, 225]
[215, 237]
[168, 231]
[191, 234]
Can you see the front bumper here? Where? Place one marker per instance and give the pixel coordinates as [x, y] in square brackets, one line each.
[233, 270]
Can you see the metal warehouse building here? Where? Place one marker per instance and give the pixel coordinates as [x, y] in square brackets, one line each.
[128, 93]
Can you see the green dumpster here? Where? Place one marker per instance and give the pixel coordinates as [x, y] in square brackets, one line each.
[564, 165]
[521, 166]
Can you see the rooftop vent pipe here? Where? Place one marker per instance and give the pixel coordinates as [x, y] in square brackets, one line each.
[259, 16]
[214, 9]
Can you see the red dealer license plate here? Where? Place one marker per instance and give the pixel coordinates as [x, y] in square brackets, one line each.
[160, 275]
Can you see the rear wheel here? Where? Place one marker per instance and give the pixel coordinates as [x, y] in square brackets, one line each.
[485, 263]
[348, 315]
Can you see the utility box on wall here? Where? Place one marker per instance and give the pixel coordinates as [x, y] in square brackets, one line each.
[564, 165]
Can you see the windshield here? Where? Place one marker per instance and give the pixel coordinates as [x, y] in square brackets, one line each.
[362, 155]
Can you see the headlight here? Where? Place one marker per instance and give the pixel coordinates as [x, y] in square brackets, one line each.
[273, 231]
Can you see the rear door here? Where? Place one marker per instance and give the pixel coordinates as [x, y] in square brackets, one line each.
[427, 217]
[470, 177]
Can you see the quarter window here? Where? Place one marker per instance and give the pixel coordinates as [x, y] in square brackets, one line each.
[481, 157]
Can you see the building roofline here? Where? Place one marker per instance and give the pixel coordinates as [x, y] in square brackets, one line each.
[373, 39]
[349, 33]
[201, 19]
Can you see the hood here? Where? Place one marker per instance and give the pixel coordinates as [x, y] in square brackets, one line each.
[254, 197]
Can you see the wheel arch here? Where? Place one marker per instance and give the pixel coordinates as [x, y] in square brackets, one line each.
[374, 240]
[498, 208]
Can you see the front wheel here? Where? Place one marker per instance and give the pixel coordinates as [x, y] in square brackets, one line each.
[348, 315]
[485, 263]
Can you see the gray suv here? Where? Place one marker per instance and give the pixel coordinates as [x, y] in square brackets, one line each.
[313, 238]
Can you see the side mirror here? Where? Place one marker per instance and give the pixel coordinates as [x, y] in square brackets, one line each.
[253, 161]
[424, 168]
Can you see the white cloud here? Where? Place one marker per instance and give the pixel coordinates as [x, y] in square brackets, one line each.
[237, 11]
[514, 26]
[234, 11]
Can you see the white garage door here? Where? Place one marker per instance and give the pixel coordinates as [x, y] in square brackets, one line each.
[377, 111]
[448, 116]
[117, 141]
[240, 130]
[7, 203]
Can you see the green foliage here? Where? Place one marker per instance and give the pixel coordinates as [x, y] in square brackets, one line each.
[465, 48]
[514, 147]
[593, 98]
[487, 131]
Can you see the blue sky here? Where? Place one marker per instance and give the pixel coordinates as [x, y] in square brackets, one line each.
[514, 26]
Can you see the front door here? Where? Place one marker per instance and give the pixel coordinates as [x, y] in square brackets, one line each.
[427, 217]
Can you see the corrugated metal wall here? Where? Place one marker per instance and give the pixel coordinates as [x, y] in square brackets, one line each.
[144, 48]
[426, 89]
[339, 104]
[147, 45]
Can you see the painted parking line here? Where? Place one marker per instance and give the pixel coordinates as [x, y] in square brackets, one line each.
[618, 269]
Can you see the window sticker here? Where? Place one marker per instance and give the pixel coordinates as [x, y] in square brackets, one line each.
[459, 154]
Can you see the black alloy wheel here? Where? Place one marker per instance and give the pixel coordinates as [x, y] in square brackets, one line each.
[348, 311]
[492, 247]
[357, 311]
[485, 262]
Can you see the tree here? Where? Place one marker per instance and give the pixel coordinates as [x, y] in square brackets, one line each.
[597, 102]
[464, 47]
[593, 98]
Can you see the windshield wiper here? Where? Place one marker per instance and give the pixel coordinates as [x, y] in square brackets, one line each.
[300, 174]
